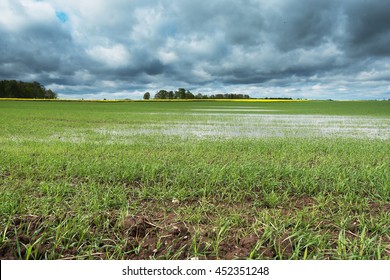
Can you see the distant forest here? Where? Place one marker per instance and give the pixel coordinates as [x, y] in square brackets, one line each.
[18, 89]
[182, 93]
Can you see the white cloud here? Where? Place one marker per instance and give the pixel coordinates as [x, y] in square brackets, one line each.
[17, 15]
[114, 56]
[148, 22]
[167, 56]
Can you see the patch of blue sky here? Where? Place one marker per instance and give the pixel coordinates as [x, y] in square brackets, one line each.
[169, 30]
[63, 17]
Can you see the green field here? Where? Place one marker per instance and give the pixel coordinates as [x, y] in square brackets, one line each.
[203, 180]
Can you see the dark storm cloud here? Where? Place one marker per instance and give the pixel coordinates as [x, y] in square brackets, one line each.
[37, 47]
[303, 24]
[368, 26]
[120, 48]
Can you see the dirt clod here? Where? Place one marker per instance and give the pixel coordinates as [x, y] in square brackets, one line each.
[136, 226]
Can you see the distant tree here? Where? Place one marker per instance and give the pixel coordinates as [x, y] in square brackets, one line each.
[180, 93]
[188, 95]
[49, 94]
[147, 96]
[162, 94]
[18, 89]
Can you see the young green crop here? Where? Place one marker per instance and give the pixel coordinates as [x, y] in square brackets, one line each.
[107, 181]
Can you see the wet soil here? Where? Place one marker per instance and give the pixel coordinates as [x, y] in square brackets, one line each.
[164, 234]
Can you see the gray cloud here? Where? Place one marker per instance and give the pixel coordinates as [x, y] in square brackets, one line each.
[118, 49]
[369, 28]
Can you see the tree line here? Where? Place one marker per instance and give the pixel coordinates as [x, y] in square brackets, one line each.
[19, 89]
[182, 93]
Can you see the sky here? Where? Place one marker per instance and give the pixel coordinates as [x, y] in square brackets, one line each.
[95, 49]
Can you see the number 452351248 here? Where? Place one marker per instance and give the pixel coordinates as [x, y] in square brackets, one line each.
[226, 270]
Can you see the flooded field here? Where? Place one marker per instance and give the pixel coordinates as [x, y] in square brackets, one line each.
[227, 125]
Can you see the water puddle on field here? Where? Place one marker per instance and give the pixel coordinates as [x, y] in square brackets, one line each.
[234, 125]
[233, 110]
